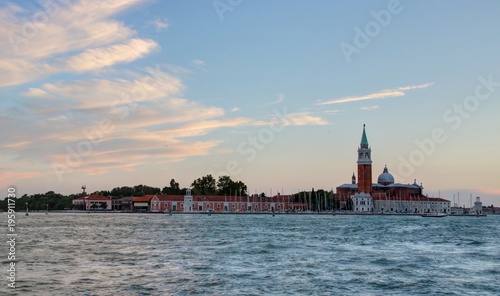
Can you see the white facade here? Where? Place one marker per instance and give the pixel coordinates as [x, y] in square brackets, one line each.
[362, 202]
[411, 206]
[188, 201]
[477, 209]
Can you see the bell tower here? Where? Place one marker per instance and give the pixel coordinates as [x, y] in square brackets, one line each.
[364, 165]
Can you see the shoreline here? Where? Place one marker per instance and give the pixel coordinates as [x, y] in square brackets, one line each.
[253, 213]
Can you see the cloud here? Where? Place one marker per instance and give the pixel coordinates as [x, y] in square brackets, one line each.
[491, 191]
[304, 118]
[36, 92]
[198, 62]
[160, 24]
[203, 127]
[94, 59]
[8, 179]
[235, 109]
[93, 124]
[279, 98]
[334, 111]
[74, 36]
[369, 108]
[387, 93]
[294, 119]
[151, 85]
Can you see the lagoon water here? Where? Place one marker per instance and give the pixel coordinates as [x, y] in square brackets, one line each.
[145, 254]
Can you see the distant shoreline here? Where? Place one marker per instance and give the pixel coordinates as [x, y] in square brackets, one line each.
[251, 213]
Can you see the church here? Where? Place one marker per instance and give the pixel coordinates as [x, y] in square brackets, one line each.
[385, 196]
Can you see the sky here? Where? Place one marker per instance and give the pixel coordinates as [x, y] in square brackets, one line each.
[272, 93]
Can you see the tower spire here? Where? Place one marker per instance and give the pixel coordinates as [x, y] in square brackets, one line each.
[364, 139]
[364, 165]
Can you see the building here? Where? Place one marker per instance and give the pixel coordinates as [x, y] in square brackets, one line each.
[385, 196]
[123, 204]
[204, 203]
[93, 202]
[477, 209]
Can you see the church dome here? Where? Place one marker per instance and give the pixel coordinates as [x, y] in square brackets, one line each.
[385, 178]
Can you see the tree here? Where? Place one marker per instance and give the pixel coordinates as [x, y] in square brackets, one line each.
[227, 186]
[349, 204]
[173, 189]
[204, 185]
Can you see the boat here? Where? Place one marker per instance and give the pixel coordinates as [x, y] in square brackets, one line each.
[434, 215]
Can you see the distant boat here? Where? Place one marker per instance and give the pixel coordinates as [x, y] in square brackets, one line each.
[434, 215]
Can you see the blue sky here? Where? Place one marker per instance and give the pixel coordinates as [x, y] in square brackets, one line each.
[138, 92]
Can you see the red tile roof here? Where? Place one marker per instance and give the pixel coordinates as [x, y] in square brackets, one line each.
[209, 198]
[145, 198]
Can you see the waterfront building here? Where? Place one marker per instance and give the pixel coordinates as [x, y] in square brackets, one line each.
[123, 204]
[189, 203]
[385, 196]
[477, 209]
[94, 202]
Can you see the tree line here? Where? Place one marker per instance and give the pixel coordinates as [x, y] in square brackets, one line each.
[55, 201]
[207, 185]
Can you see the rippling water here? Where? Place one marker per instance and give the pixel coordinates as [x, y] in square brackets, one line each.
[134, 254]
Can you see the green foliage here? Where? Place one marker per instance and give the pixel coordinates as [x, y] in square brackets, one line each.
[38, 202]
[173, 189]
[204, 185]
[226, 186]
[138, 190]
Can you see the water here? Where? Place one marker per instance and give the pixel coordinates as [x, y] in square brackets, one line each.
[128, 254]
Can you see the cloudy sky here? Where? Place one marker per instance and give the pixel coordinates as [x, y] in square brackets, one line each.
[273, 93]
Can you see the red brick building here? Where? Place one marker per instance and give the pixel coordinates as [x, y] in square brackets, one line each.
[385, 195]
[204, 203]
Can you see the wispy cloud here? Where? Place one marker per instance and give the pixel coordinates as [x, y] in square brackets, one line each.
[35, 92]
[198, 62]
[383, 94]
[95, 59]
[279, 99]
[78, 36]
[295, 119]
[334, 111]
[160, 24]
[369, 108]
[305, 118]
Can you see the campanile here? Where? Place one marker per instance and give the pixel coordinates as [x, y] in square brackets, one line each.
[364, 165]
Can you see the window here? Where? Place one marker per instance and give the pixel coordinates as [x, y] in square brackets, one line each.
[218, 205]
[234, 206]
[182, 205]
[242, 206]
